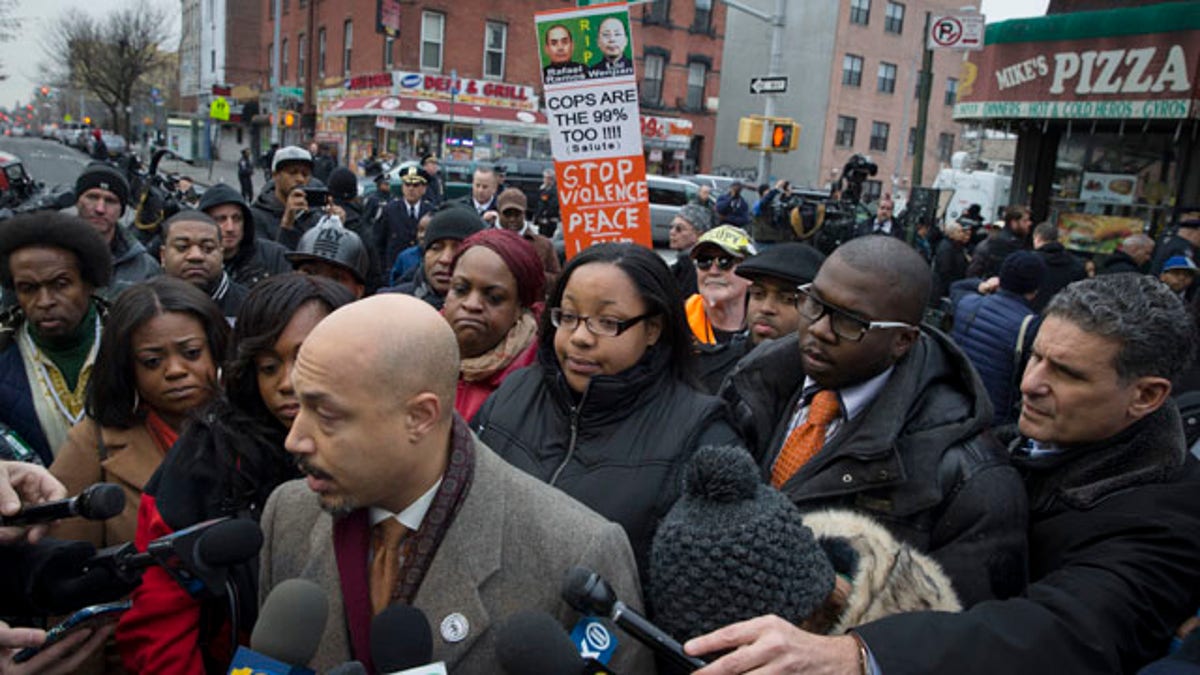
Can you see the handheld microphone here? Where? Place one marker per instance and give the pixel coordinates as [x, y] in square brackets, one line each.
[588, 593]
[197, 557]
[402, 643]
[533, 642]
[288, 632]
[97, 502]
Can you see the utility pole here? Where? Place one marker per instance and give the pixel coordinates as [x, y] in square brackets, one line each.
[926, 78]
[275, 57]
[774, 68]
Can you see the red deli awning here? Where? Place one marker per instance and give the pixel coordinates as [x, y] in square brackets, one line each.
[423, 108]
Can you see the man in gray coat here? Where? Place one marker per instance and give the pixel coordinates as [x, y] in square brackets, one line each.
[410, 507]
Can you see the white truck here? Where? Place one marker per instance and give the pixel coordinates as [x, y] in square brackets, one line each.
[989, 189]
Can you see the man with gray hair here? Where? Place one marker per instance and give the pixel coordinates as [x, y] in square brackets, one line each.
[692, 221]
[1132, 256]
[1114, 531]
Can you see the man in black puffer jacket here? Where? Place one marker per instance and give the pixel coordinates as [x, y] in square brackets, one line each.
[248, 259]
[1062, 266]
[909, 444]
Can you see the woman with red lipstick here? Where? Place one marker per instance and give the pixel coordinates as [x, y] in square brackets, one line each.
[226, 464]
[609, 414]
[156, 364]
[496, 294]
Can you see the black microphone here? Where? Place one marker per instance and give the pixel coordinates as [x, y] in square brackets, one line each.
[97, 502]
[533, 642]
[587, 593]
[401, 641]
[197, 557]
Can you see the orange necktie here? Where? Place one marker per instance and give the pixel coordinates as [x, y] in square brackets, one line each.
[387, 537]
[806, 440]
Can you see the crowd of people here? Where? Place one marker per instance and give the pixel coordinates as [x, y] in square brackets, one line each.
[770, 451]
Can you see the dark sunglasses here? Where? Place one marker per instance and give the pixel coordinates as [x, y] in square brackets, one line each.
[724, 263]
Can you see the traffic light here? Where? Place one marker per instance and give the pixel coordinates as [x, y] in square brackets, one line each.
[785, 135]
[87, 121]
[750, 131]
[288, 118]
[45, 91]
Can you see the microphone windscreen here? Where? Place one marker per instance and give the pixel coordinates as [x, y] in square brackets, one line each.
[229, 542]
[291, 622]
[400, 639]
[101, 501]
[533, 642]
[586, 592]
[349, 668]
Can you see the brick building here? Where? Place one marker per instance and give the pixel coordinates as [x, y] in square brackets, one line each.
[852, 67]
[365, 92]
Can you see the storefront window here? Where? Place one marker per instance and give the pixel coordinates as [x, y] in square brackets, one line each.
[1109, 185]
[460, 142]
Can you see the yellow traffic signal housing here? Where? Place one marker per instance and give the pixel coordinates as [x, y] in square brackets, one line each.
[785, 135]
[289, 118]
[750, 131]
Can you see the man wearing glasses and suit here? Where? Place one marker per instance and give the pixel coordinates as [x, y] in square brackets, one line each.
[865, 410]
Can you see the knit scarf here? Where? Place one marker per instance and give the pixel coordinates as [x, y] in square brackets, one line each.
[504, 353]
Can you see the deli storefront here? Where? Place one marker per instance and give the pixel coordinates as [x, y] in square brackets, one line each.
[1106, 112]
[409, 114]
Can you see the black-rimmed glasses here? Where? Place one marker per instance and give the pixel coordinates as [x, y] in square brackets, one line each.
[844, 324]
[597, 325]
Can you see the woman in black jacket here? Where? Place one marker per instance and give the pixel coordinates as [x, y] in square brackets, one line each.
[609, 414]
[225, 464]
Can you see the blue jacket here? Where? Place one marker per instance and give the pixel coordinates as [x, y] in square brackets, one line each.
[16, 403]
[986, 328]
[733, 210]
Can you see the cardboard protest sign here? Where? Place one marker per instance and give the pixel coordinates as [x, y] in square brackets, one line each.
[595, 133]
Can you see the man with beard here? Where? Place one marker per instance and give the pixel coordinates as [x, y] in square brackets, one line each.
[101, 196]
[192, 251]
[862, 409]
[53, 263]
[404, 505]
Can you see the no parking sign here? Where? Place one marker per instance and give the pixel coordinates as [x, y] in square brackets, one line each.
[961, 32]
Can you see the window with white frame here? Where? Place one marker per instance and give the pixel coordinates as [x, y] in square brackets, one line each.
[433, 30]
[652, 77]
[347, 45]
[495, 37]
[887, 78]
[301, 48]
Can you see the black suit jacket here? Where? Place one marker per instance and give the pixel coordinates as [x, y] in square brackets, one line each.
[398, 230]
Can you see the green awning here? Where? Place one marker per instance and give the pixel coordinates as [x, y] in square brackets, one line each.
[1161, 18]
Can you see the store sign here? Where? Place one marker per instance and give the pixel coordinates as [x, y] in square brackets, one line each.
[666, 131]
[592, 109]
[385, 122]
[442, 87]
[1113, 188]
[1150, 75]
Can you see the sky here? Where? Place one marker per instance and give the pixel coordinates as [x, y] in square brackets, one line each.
[20, 58]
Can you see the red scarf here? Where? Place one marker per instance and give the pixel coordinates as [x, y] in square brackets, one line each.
[162, 433]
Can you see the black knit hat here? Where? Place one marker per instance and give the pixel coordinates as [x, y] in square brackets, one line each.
[1022, 272]
[791, 261]
[732, 548]
[104, 177]
[342, 184]
[451, 222]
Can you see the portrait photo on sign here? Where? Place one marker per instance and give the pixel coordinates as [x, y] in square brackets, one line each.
[610, 34]
[564, 50]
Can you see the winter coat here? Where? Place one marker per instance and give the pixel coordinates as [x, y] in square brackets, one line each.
[470, 396]
[1170, 247]
[1062, 268]
[949, 265]
[991, 252]
[1119, 262]
[168, 630]
[131, 263]
[918, 458]
[256, 258]
[418, 287]
[1114, 537]
[619, 448]
[986, 328]
[733, 209]
[268, 211]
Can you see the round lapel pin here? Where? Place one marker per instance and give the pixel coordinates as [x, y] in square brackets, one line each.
[455, 628]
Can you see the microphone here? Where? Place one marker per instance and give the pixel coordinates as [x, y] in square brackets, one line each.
[533, 642]
[288, 632]
[97, 502]
[402, 643]
[588, 593]
[197, 557]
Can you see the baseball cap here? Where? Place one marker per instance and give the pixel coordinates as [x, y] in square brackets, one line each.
[512, 198]
[1180, 262]
[336, 245]
[729, 238]
[290, 153]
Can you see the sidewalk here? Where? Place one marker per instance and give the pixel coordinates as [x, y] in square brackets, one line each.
[221, 171]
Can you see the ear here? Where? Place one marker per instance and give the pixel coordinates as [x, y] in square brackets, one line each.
[422, 413]
[1149, 394]
[654, 327]
[904, 341]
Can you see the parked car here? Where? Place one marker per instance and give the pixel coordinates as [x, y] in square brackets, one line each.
[719, 184]
[50, 131]
[67, 133]
[16, 185]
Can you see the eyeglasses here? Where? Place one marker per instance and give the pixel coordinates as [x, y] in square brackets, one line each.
[724, 263]
[596, 325]
[844, 324]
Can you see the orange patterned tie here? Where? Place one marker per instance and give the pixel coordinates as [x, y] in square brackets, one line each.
[387, 536]
[806, 440]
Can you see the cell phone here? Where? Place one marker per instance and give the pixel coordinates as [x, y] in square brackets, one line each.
[88, 617]
[317, 197]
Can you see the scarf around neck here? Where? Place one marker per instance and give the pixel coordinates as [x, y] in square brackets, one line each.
[504, 353]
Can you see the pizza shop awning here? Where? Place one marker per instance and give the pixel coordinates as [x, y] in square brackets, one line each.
[1140, 63]
[422, 108]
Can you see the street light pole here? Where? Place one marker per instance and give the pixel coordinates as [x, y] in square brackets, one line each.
[275, 83]
[774, 69]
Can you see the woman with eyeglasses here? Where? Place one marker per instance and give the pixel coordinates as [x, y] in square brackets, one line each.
[155, 367]
[609, 413]
[717, 312]
[496, 290]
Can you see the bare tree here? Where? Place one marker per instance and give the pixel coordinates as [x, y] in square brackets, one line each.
[110, 56]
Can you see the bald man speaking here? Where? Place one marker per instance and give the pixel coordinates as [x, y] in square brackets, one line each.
[403, 504]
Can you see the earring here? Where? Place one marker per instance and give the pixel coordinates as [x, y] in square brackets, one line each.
[137, 401]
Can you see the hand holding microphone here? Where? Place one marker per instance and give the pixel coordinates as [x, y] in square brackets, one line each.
[25, 483]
